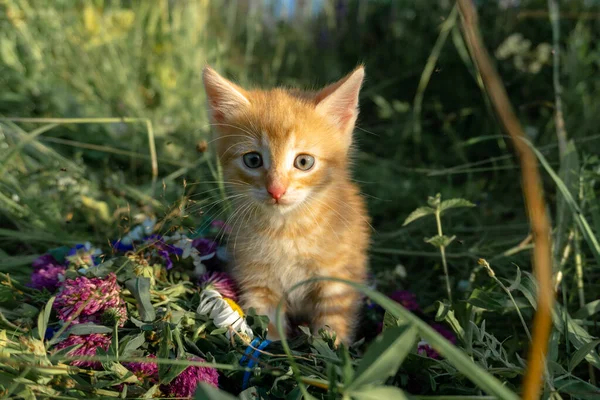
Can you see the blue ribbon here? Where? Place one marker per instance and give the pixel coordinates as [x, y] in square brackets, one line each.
[253, 359]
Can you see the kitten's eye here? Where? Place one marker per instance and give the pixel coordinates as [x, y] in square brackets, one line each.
[304, 162]
[253, 160]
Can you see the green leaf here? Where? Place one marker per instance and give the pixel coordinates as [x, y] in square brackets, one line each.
[208, 392]
[588, 310]
[384, 356]
[582, 353]
[440, 241]
[446, 313]
[578, 216]
[577, 389]
[455, 203]
[172, 373]
[569, 173]
[164, 351]
[378, 393]
[486, 300]
[44, 317]
[132, 344]
[60, 253]
[418, 213]
[576, 334]
[88, 328]
[517, 281]
[389, 321]
[140, 288]
[320, 347]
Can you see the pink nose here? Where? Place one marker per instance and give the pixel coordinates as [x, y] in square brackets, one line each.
[276, 191]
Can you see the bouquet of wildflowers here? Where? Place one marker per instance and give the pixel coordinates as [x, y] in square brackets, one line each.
[154, 316]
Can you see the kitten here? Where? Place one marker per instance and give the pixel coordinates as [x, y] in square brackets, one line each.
[297, 215]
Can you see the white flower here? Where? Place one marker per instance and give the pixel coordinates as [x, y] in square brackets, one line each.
[225, 313]
[139, 232]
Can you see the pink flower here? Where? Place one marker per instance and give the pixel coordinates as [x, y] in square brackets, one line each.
[91, 297]
[185, 384]
[144, 370]
[221, 282]
[89, 344]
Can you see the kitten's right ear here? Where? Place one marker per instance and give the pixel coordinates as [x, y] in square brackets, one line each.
[224, 97]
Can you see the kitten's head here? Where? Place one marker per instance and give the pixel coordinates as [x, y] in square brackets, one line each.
[280, 148]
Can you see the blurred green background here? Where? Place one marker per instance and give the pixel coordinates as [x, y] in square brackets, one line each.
[425, 127]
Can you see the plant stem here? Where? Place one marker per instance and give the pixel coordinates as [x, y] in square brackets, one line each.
[438, 221]
[561, 132]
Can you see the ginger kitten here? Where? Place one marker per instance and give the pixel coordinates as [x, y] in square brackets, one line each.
[297, 215]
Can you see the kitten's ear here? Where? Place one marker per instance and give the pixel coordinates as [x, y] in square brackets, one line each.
[224, 97]
[339, 101]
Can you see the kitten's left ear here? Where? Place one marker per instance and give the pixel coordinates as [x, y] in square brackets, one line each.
[339, 101]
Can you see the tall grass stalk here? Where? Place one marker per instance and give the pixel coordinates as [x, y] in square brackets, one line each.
[533, 193]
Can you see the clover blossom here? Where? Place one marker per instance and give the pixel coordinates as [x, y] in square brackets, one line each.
[47, 277]
[221, 282]
[89, 344]
[185, 384]
[90, 297]
[144, 370]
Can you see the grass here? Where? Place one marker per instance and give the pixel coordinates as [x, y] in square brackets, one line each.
[103, 123]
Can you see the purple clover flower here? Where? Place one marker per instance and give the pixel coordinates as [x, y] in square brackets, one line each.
[43, 261]
[146, 371]
[185, 384]
[89, 344]
[100, 295]
[221, 282]
[47, 277]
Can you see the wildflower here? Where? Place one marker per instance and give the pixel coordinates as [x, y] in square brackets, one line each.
[83, 256]
[144, 370]
[426, 350]
[164, 250]
[137, 234]
[221, 282]
[206, 247]
[47, 277]
[189, 249]
[90, 297]
[185, 384]
[225, 313]
[407, 299]
[89, 344]
[43, 261]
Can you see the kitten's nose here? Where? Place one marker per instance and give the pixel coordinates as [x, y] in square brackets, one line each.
[276, 191]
